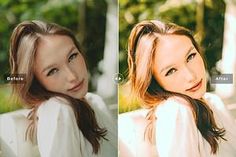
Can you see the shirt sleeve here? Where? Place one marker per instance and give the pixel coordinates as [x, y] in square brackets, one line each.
[57, 131]
[176, 131]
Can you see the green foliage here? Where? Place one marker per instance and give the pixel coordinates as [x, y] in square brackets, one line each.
[6, 103]
[125, 102]
[178, 16]
[214, 30]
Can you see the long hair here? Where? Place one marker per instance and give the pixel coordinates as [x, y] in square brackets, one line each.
[23, 46]
[142, 45]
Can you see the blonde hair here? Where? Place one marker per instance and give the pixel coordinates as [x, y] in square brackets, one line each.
[142, 45]
[23, 47]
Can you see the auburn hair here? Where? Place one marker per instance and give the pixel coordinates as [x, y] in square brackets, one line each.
[23, 47]
[142, 45]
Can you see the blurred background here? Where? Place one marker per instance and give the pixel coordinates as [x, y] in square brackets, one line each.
[213, 22]
[95, 24]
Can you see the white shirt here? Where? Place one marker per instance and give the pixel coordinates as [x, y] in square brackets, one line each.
[59, 136]
[176, 133]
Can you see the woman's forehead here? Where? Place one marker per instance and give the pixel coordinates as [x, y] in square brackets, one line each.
[171, 49]
[53, 49]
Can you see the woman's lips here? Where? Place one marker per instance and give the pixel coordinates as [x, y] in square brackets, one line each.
[195, 87]
[76, 87]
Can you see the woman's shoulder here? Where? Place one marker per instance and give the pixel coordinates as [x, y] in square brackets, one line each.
[54, 106]
[173, 105]
[93, 98]
[56, 103]
[59, 105]
[211, 97]
[214, 100]
[95, 101]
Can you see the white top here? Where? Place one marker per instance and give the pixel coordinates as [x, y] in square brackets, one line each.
[176, 132]
[59, 136]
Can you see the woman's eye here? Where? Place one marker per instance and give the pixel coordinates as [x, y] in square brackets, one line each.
[191, 56]
[73, 56]
[52, 71]
[171, 71]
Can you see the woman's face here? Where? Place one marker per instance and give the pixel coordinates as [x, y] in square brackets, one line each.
[60, 67]
[178, 66]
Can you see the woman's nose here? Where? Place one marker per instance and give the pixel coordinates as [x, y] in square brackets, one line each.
[189, 74]
[71, 75]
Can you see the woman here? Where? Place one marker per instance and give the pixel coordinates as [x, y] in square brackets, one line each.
[167, 75]
[65, 118]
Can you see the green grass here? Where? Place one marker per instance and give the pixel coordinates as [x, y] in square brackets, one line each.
[6, 103]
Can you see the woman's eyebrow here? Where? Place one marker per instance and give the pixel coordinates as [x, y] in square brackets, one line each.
[189, 50]
[70, 51]
[167, 67]
[48, 67]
